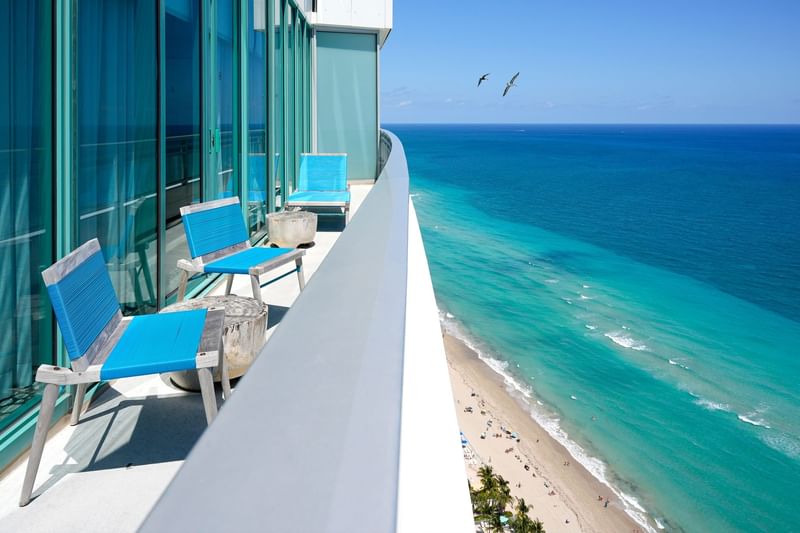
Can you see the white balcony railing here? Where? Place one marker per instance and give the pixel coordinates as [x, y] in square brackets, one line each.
[346, 420]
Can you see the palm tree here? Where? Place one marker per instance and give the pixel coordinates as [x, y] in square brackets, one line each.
[521, 522]
[503, 492]
[490, 501]
[486, 474]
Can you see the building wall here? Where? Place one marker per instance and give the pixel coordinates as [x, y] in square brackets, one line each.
[347, 99]
[374, 15]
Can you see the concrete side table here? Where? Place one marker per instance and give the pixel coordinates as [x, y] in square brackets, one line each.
[287, 229]
[243, 334]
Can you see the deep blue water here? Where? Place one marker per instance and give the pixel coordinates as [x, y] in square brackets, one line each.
[641, 284]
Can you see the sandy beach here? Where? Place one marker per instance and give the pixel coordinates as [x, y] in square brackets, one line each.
[564, 495]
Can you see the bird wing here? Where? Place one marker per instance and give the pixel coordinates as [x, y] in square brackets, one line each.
[514, 78]
[483, 78]
[508, 86]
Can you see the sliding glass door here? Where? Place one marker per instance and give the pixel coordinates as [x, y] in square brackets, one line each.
[221, 101]
[257, 197]
[26, 200]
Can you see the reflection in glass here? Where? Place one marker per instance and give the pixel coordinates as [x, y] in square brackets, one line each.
[280, 24]
[291, 153]
[26, 177]
[182, 125]
[256, 117]
[225, 183]
[115, 141]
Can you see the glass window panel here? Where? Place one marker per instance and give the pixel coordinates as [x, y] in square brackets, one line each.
[256, 117]
[280, 24]
[291, 152]
[182, 126]
[26, 195]
[115, 141]
[347, 100]
[225, 183]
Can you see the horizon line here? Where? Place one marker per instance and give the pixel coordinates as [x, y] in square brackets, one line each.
[795, 124]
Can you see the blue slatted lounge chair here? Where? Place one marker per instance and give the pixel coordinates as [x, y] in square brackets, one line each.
[219, 243]
[322, 182]
[103, 345]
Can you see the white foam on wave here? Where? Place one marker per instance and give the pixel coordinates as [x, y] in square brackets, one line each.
[586, 286]
[783, 444]
[567, 300]
[750, 419]
[659, 524]
[551, 281]
[626, 341]
[551, 425]
[584, 297]
[711, 405]
[500, 367]
[449, 315]
[593, 465]
[590, 327]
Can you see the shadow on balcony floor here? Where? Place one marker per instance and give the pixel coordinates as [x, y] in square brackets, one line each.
[121, 455]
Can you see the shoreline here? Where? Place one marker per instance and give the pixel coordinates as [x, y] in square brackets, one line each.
[564, 495]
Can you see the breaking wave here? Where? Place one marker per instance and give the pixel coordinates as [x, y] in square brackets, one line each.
[626, 341]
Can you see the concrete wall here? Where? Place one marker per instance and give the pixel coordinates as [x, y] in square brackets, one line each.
[374, 15]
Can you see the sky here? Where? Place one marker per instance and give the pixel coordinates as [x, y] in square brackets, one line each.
[593, 61]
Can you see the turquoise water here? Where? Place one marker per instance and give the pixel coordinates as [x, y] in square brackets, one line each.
[640, 285]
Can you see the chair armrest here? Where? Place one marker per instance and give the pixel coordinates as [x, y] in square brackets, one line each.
[288, 257]
[189, 266]
[64, 376]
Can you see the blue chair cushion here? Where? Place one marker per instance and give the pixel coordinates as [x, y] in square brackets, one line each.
[154, 344]
[320, 197]
[240, 262]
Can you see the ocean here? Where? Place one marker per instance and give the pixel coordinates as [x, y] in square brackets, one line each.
[639, 286]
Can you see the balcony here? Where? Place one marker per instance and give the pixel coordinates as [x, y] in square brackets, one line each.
[344, 423]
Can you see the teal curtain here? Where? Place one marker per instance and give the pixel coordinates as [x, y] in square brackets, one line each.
[115, 137]
[347, 100]
[26, 177]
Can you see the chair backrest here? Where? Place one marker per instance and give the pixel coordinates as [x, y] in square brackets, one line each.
[322, 172]
[212, 226]
[82, 295]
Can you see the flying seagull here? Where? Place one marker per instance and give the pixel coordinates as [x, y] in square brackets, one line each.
[483, 78]
[510, 84]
